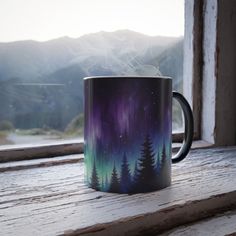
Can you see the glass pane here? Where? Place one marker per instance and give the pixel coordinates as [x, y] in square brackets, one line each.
[47, 47]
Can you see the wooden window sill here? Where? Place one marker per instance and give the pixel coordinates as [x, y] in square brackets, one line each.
[55, 201]
[29, 152]
[220, 224]
[10, 153]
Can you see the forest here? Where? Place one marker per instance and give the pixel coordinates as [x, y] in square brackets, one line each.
[151, 172]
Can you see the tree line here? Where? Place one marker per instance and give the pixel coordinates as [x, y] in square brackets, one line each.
[148, 174]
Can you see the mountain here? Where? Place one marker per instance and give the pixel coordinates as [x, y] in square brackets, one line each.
[170, 63]
[32, 59]
[41, 82]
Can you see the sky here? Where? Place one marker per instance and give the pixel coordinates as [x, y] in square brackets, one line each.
[48, 19]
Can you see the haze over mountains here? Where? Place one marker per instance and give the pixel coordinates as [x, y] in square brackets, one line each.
[41, 82]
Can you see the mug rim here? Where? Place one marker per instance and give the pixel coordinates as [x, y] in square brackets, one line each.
[127, 77]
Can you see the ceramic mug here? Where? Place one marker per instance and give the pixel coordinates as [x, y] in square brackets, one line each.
[128, 133]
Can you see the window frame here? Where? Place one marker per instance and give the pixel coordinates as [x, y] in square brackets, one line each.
[210, 60]
[193, 60]
[195, 78]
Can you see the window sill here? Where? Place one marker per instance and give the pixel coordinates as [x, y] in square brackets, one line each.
[220, 224]
[11, 153]
[197, 144]
[55, 201]
[21, 152]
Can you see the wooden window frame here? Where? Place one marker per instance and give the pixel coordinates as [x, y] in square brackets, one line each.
[201, 84]
[209, 59]
[19, 152]
[193, 58]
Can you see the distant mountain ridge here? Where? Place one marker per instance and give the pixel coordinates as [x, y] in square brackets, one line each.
[31, 59]
[66, 61]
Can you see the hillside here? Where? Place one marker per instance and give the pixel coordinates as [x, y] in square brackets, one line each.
[41, 82]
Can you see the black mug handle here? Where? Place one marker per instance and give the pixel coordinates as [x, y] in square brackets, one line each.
[188, 129]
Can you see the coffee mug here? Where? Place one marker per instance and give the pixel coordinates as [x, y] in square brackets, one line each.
[128, 133]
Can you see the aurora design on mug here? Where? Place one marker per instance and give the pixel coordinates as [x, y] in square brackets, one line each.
[127, 134]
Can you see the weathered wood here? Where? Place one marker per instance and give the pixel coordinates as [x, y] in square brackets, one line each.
[193, 59]
[55, 200]
[219, 72]
[10, 153]
[209, 76]
[179, 137]
[43, 162]
[195, 145]
[224, 224]
[20, 152]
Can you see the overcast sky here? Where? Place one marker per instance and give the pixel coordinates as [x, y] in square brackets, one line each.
[47, 19]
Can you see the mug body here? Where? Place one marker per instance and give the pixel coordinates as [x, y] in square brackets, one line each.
[127, 133]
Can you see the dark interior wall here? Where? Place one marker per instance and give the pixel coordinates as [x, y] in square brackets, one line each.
[225, 69]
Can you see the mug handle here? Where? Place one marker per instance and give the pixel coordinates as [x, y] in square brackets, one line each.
[188, 128]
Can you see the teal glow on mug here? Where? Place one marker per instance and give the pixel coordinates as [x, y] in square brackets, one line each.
[127, 133]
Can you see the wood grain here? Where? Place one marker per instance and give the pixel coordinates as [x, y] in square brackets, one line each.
[224, 224]
[10, 153]
[55, 201]
[42, 162]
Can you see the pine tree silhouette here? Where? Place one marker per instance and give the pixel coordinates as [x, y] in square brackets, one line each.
[136, 173]
[158, 163]
[115, 185]
[163, 157]
[94, 178]
[165, 169]
[146, 180]
[125, 176]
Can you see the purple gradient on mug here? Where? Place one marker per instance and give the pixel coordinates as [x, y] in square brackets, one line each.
[119, 115]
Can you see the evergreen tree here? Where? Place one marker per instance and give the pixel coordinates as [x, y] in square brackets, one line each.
[146, 180]
[94, 178]
[115, 185]
[165, 168]
[163, 156]
[136, 173]
[125, 176]
[158, 163]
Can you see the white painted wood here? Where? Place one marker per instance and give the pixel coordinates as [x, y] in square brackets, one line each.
[192, 76]
[188, 67]
[209, 66]
[220, 225]
[219, 72]
[55, 200]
